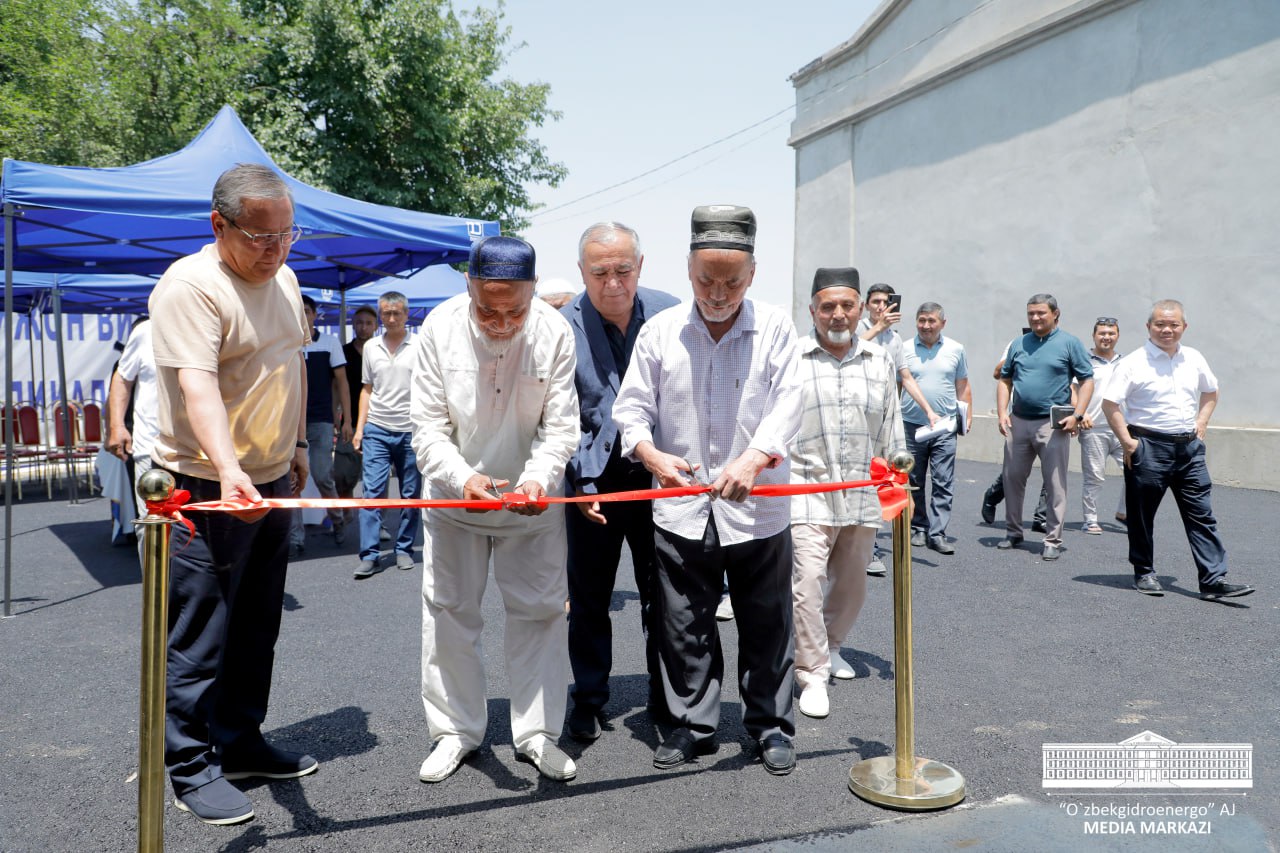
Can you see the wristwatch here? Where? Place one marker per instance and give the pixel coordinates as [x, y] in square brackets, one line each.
[302, 444]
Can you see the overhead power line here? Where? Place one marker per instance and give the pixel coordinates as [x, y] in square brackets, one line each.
[824, 90]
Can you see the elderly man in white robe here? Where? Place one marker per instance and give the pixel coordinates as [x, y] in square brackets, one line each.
[494, 406]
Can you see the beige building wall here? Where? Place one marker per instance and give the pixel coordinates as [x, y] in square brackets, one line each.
[1111, 152]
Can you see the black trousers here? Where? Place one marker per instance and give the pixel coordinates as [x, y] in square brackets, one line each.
[226, 591]
[1161, 465]
[594, 552]
[690, 578]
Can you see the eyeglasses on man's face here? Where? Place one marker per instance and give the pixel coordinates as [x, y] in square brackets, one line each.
[266, 241]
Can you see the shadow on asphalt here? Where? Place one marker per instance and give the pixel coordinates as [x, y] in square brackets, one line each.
[619, 599]
[1168, 582]
[863, 662]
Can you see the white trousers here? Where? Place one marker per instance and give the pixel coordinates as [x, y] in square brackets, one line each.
[1095, 446]
[530, 571]
[828, 588]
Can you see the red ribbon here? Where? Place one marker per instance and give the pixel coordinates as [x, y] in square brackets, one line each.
[172, 508]
[886, 480]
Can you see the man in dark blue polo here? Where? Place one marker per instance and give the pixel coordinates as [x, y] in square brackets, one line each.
[606, 320]
[1036, 377]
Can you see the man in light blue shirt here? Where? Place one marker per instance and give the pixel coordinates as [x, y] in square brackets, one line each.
[940, 369]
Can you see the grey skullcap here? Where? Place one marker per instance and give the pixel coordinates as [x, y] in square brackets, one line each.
[835, 277]
[723, 226]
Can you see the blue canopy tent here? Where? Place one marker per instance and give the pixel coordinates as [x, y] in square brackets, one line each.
[138, 219]
[128, 294]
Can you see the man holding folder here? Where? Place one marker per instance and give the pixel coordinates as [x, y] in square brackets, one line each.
[940, 369]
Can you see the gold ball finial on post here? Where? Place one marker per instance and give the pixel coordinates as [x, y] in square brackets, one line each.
[902, 460]
[904, 780]
[155, 485]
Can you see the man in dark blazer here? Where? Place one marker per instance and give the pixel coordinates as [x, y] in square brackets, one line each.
[606, 320]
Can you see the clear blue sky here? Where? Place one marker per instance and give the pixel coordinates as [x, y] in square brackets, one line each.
[642, 83]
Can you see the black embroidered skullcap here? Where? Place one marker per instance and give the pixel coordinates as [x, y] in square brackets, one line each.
[835, 277]
[723, 226]
[502, 258]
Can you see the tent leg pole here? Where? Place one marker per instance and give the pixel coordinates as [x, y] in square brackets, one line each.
[67, 434]
[11, 421]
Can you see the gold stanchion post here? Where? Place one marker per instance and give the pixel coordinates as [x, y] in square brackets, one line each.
[903, 781]
[153, 485]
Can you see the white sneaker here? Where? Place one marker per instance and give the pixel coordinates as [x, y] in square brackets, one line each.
[814, 702]
[724, 613]
[549, 759]
[840, 667]
[443, 760]
[876, 567]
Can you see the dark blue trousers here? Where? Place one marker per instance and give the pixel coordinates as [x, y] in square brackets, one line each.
[936, 455]
[226, 591]
[1158, 466]
[594, 552]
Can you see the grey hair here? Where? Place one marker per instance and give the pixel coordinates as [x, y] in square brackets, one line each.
[1167, 305]
[243, 181]
[931, 308]
[393, 297]
[606, 233]
[1044, 299]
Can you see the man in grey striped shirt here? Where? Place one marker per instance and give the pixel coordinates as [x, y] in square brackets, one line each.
[851, 413]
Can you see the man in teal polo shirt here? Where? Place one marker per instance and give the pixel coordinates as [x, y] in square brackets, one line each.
[940, 369]
[1037, 376]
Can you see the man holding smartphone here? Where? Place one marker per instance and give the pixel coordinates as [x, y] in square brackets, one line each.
[884, 310]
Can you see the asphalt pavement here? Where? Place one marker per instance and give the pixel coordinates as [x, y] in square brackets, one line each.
[1010, 653]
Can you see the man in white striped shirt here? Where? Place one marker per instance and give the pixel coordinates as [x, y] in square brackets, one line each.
[713, 388]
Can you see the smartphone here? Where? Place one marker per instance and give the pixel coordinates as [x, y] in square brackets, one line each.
[895, 302]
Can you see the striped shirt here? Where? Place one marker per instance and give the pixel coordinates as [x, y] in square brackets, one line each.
[851, 413]
[709, 402]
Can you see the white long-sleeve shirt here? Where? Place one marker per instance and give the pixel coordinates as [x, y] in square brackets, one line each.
[512, 416]
[709, 402]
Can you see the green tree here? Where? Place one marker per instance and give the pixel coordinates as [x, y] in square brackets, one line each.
[172, 65]
[397, 101]
[50, 83]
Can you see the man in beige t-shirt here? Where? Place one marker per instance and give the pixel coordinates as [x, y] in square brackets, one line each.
[228, 333]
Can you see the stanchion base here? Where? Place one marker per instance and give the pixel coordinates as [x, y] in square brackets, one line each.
[933, 786]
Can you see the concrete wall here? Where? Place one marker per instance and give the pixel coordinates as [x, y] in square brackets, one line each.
[1110, 153]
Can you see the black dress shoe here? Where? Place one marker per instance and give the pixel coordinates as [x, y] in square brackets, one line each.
[1222, 589]
[1038, 527]
[941, 545]
[988, 512]
[584, 723]
[778, 755]
[679, 748]
[1148, 585]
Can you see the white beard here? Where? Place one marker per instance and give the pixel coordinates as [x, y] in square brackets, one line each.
[840, 338]
[722, 315]
[493, 346]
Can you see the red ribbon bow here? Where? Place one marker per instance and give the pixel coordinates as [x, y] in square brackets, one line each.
[893, 497]
[172, 508]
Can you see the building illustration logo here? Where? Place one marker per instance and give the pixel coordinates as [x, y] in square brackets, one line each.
[1147, 760]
